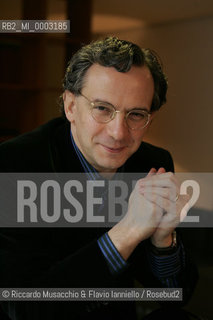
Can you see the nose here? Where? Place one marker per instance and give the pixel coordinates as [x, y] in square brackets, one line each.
[117, 128]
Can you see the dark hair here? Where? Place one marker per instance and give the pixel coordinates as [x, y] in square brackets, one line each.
[120, 54]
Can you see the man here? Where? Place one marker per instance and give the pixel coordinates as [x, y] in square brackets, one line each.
[112, 91]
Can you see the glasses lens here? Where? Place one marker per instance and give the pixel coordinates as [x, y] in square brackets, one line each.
[102, 112]
[137, 119]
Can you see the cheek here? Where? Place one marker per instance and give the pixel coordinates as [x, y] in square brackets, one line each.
[88, 127]
[82, 121]
[137, 137]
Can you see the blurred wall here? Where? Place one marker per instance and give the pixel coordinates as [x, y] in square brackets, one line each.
[32, 65]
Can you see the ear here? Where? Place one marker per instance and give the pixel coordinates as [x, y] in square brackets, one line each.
[69, 105]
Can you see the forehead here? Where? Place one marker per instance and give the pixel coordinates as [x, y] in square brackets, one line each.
[133, 87]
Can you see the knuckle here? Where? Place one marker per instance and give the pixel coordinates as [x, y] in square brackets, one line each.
[168, 194]
[170, 174]
[139, 183]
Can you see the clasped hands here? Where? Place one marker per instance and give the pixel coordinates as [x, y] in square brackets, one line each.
[155, 207]
[154, 211]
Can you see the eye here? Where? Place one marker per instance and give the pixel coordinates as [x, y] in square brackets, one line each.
[137, 115]
[102, 108]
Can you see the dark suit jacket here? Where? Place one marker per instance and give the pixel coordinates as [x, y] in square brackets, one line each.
[57, 257]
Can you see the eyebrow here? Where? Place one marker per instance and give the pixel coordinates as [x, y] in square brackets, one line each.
[127, 110]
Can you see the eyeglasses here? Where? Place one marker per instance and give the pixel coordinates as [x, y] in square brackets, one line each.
[104, 112]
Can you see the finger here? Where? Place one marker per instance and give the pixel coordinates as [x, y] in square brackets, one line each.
[161, 170]
[151, 172]
[167, 193]
[163, 175]
[163, 183]
[163, 203]
[160, 180]
[169, 221]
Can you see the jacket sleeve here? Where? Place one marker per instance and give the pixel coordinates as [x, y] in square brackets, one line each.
[184, 275]
[25, 265]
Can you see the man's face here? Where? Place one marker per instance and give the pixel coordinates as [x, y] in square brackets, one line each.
[107, 146]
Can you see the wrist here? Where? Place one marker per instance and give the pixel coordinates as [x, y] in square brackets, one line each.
[162, 242]
[165, 250]
[123, 238]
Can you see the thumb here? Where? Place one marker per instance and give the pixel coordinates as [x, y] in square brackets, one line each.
[161, 170]
[151, 172]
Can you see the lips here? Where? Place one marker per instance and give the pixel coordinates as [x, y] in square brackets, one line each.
[113, 150]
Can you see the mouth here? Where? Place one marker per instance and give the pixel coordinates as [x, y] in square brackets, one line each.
[113, 150]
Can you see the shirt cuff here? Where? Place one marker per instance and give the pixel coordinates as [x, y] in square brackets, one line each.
[166, 266]
[114, 260]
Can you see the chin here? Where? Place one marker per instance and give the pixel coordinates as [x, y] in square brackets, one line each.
[112, 167]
